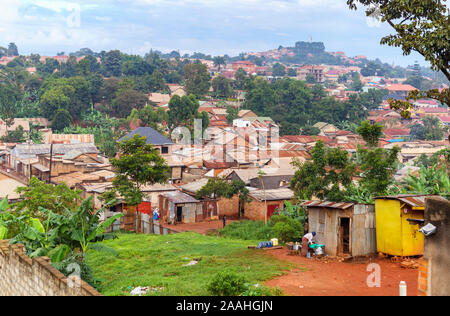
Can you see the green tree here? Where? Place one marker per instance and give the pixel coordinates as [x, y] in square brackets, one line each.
[197, 79]
[61, 120]
[311, 79]
[126, 100]
[111, 63]
[222, 87]
[139, 164]
[232, 114]
[278, 70]
[183, 111]
[12, 50]
[378, 165]
[430, 130]
[370, 133]
[219, 61]
[310, 130]
[325, 175]
[40, 194]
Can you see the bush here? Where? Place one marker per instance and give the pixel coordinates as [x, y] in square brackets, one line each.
[227, 284]
[286, 229]
[247, 230]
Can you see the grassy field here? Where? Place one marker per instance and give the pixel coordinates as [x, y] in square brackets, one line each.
[157, 261]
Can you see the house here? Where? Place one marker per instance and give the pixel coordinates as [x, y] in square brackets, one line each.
[248, 66]
[159, 98]
[214, 206]
[399, 91]
[160, 142]
[8, 187]
[433, 268]
[274, 199]
[344, 228]
[326, 128]
[398, 133]
[398, 220]
[243, 114]
[314, 70]
[176, 89]
[178, 207]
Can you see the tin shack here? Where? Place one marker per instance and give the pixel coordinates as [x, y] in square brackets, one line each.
[398, 220]
[344, 228]
[178, 207]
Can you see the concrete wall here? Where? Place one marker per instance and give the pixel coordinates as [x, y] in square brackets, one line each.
[22, 276]
[434, 272]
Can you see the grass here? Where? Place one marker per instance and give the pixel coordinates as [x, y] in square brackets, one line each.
[157, 261]
[247, 230]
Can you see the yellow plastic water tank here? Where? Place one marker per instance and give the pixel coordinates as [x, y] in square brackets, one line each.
[274, 242]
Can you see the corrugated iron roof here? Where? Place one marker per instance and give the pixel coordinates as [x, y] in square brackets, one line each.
[410, 199]
[272, 195]
[178, 197]
[337, 205]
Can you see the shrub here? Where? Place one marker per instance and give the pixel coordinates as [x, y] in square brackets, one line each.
[285, 228]
[247, 230]
[227, 284]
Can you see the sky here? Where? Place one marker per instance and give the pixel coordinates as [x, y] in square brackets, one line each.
[213, 27]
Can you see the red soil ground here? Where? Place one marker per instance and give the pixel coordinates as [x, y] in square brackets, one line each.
[312, 277]
[317, 278]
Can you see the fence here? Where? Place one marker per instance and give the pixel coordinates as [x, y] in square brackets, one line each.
[140, 223]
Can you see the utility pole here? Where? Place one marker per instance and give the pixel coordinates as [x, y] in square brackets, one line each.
[29, 154]
[51, 155]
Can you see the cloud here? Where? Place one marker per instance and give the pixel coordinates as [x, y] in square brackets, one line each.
[210, 26]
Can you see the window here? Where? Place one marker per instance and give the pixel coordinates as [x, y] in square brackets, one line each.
[165, 150]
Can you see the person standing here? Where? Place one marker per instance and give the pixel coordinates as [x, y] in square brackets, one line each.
[306, 241]
[224, 219]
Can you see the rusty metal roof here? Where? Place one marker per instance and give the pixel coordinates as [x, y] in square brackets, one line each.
[272, 195]
[337, 205]
[178, 197]
[410, 199]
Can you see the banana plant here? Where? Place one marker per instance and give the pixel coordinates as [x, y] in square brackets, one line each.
[433, 180]
[84, 227]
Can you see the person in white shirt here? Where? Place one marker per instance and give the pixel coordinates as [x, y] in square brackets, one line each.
[306, 241]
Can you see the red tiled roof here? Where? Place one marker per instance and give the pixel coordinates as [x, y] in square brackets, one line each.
[397, 131]
[400, 87]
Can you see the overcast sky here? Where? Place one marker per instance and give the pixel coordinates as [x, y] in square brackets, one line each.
[214, 27]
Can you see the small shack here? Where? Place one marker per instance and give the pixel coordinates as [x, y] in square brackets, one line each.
[398, 220]
[273, 199]
[344, 228]
[178, 207]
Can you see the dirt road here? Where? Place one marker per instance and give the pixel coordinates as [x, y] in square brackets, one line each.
[318, 278]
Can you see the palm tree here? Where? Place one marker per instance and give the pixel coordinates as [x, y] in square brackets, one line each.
[219, 61]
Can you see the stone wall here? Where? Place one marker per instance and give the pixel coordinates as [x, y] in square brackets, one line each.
[22, 276]
[434, 273]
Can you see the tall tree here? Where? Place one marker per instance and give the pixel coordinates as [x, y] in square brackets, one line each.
[139, 164]
[197, 79]
[324, 176]
[219, 61]
[12, 50]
